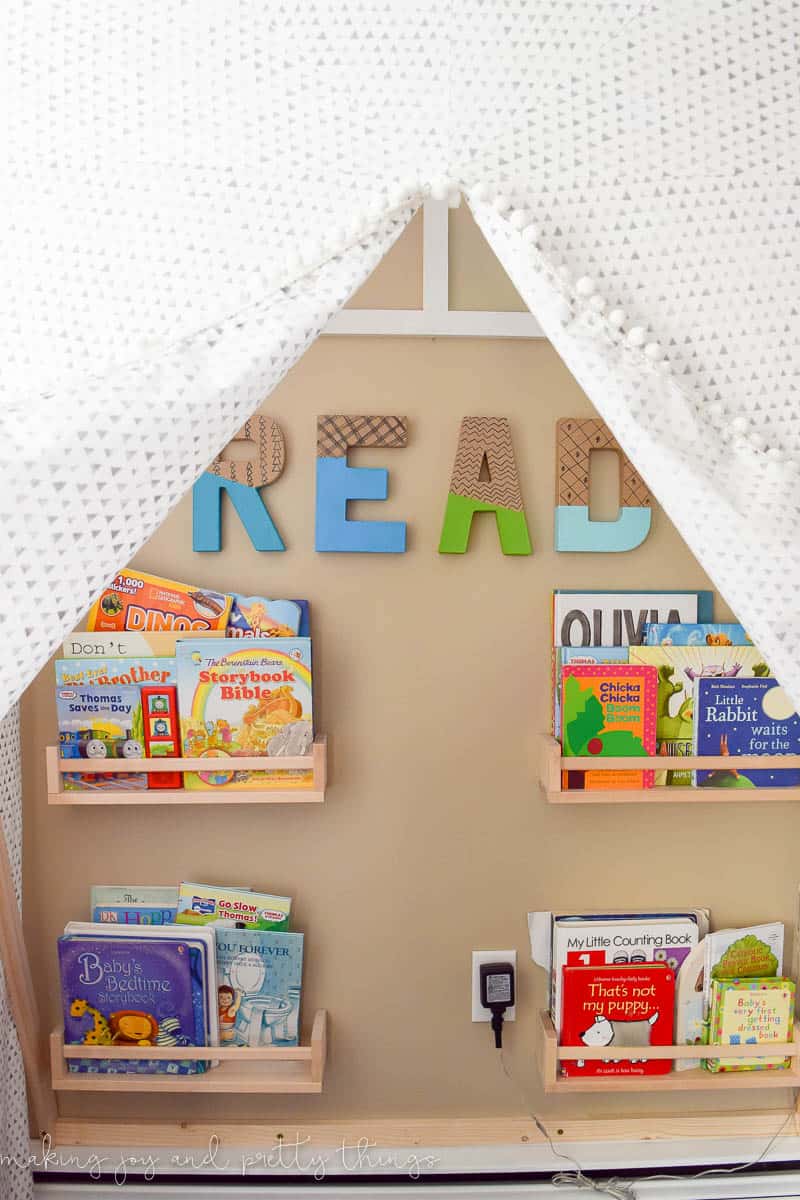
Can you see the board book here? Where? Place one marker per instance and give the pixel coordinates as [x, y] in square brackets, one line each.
[614, 939]
[124, 993]
[96, 723]
[754, 950]
[696, 635]
[608, 1006]
[260, 979]
[679, 668]
[207, 904]
[244, 699]
[620, 618]
[133, 905]
[255, 616]
[608, 711]
[580, 656]
[750, 1012]
[745, 716]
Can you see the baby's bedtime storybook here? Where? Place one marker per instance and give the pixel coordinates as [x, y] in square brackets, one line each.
[745, 716]
[126, 993]
[608, 711]
[245, 698]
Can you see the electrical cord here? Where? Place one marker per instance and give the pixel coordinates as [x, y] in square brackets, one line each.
[618, 1188]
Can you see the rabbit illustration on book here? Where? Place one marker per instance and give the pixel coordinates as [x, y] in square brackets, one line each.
[605, 1032]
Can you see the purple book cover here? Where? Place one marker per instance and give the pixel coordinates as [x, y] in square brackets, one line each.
[127, 993]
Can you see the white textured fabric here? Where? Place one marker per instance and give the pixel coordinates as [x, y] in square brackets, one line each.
[190, 189]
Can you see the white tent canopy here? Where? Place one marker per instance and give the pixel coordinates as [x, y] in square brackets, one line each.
[191, 190]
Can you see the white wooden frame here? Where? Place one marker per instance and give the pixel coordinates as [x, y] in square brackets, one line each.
[435, 318]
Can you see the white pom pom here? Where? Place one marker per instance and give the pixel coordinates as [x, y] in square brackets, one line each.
[775, 454]
[616, 318]
[715, 409]
[562, 311]
[454, 199]
[653, 351]
[398, 196]
[739, 424]
[530, 234]
[563, 273]
[519, 218]
[481, 192]
[756, 441]
[637, 335]
[502, 203]
[585, 286]
[597, 303]
[440, 187]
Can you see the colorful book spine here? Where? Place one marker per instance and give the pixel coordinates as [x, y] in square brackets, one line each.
[608, 712]
[659, 634]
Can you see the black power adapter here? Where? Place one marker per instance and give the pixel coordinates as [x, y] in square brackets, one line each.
[497, 994]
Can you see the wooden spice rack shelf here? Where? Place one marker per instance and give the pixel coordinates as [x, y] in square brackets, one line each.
[696, 1079]
[316, 762]
[552, 763]
[242, 1069]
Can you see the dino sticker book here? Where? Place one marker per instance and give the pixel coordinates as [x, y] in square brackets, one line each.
[128, 993]
[608, 711]
[248, 698]
[610, 1006]
[746, 716]
[679, 668]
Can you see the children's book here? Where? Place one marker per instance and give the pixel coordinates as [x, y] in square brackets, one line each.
[679, 668]
[608, 711]
[125, 993]
[696, 635]
[96, 723]
[114, 672]
[745, 716]
[618, 1006]
[254, 616]
[305, 618]
[260, 978]
[614, 939]
[751, 1012]
[245, 699]
[620, 618]
[203, 959]
[138, 603]
[133, 905]
[206, 904]
[582, 656]
[147, 644]
[755, 950]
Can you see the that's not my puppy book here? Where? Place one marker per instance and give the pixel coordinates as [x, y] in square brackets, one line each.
[608, 711]
[241, 699]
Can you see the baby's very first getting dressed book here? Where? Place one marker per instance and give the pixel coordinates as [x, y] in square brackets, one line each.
[748, 1012]
[245, 698]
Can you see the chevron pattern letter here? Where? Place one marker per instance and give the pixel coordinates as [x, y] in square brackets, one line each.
[485, 440]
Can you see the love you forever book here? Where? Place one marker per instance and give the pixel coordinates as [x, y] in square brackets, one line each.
[608, 711]
[618, 1006]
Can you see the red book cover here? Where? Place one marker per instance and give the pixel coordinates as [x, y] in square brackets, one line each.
[618, 1005]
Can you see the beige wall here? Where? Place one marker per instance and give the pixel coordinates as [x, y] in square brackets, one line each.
[432, 678]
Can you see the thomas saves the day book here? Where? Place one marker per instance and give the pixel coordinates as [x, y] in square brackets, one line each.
[615, 1006]
[608, 711]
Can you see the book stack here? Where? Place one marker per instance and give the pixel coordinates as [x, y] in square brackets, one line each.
[660, 978]
[669, 682]
[156, 675]
[193, 965]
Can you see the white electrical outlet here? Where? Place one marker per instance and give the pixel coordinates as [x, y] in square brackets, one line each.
[479, 1013]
